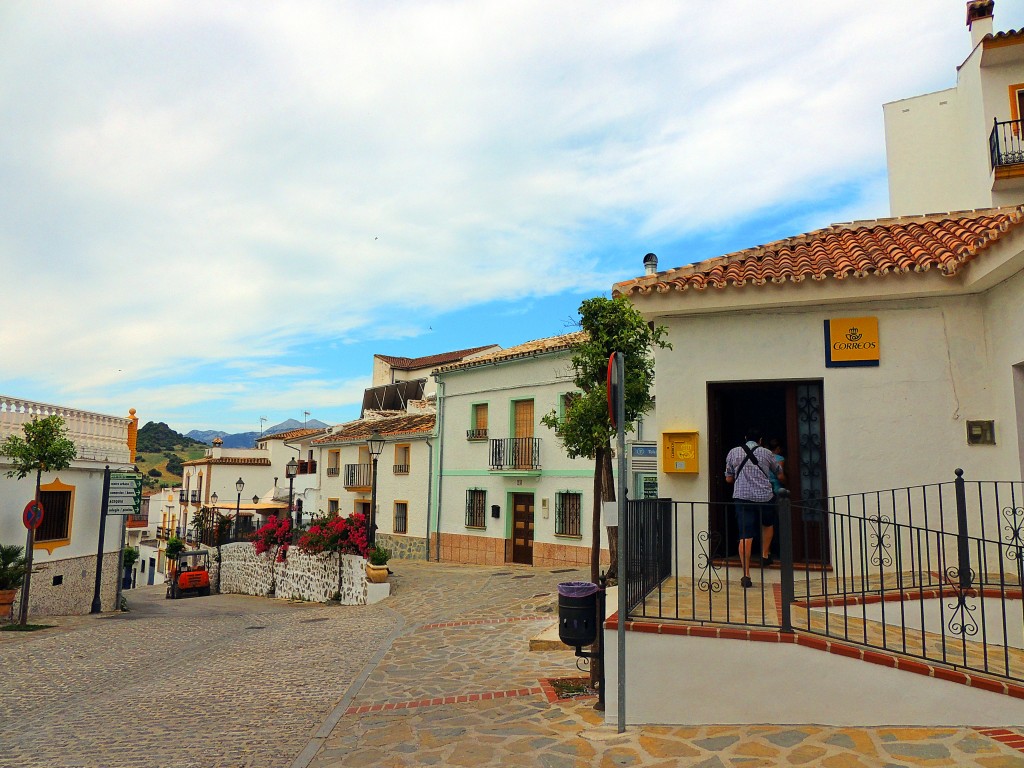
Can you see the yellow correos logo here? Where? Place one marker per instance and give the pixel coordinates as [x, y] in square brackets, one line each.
[851, 341]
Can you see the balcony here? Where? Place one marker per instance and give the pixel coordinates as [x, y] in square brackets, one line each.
[194, 497]
[400, 469]
[307, 468]
[476, 434]
[183, 497]
[1006, 153]
[515, 455]
[136, 521]
[333, 471]
[357, 476]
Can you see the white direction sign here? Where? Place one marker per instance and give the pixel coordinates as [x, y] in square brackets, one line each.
[125, 496]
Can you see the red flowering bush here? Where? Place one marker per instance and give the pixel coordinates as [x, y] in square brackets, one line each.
[336, 535]
[273, 536]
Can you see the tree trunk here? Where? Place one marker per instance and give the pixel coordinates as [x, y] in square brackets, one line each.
[608, 488]
[29, 551]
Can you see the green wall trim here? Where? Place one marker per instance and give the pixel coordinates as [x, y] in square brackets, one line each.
[543, 473]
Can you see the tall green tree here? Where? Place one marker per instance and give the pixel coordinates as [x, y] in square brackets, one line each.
[585, 428]
[44, 448]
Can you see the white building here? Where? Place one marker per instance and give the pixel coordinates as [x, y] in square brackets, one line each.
[66, 544]
[403, 476]
[507, 491]
[963, 147]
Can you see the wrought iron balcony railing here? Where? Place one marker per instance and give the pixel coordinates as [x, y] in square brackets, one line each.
[357, 475]
[183, 497]
[476, 434]
[401, 469]
[333, 471]
[515, 453]
[1005, 145]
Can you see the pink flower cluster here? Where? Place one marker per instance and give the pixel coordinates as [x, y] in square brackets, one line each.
[274, 535]
[334, 534]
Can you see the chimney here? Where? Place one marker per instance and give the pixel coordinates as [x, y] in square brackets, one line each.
[979, 19]
[650, 264]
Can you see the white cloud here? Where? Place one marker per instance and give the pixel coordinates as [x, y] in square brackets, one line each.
[193, 185]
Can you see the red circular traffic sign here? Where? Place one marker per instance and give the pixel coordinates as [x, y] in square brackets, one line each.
[32, 517]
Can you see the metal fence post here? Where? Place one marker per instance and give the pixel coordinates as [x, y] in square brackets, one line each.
[786, 557]
[963, 551]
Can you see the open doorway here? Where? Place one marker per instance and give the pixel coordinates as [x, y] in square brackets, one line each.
[792, 412]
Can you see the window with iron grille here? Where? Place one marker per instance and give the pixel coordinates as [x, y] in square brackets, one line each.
[478, 423]
[56, 523]
[332, 507]
[401, 517]
[567, 513]
[476, 507]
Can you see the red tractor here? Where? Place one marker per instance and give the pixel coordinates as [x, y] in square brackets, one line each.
[189, 573]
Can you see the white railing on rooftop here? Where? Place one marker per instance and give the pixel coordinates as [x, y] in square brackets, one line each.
[97, 436]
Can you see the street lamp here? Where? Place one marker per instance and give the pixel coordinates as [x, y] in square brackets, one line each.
[211, 515]
[238, 505]
[291, 469]
[375, 444]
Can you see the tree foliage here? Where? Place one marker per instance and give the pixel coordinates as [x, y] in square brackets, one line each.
[612, 325]
[44, 448]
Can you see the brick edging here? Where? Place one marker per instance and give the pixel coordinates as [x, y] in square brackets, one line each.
[1003, 736]
[817, 643]
[439, 700]
[551, 694]
[475, 622]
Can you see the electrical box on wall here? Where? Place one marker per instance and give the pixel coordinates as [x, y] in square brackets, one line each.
[544, 508]
[679, 452]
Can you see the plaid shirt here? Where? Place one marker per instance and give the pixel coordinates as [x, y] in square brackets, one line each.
[751, 483]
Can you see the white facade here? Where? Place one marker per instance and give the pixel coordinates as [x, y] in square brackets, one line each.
[497, 383]
[65, 564]
[937, 144]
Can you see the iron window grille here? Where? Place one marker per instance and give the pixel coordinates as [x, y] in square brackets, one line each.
[568, 507]
[476, 508]
[401, 517]
[57, 519]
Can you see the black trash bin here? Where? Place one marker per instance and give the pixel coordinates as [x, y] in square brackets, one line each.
[577, 613]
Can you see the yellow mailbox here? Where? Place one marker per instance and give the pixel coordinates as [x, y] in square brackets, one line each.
[679, 452]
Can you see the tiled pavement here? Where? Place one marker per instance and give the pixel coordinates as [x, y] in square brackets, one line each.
[438, 674]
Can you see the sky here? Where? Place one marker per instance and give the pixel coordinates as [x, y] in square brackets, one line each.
[217, 212]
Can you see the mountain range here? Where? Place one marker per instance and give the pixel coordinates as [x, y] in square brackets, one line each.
[248, 439]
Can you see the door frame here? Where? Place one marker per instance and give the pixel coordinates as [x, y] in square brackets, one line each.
[810, 543]
[511, 556]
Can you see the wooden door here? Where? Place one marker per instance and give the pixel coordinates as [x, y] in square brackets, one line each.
[522, 528]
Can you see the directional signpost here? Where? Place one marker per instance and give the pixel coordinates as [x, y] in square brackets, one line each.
[125, 496]
[122, 495]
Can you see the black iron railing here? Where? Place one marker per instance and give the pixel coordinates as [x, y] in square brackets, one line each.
[476, 434]
[649, 529]
[1005, 145]
[568, 513]
[194, 497]
[183, 497]
[358, 475]
[333, 471]
[933, 571]
[515, 453]
[400, 469]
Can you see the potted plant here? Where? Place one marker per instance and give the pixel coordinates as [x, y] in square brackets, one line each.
[377, 565]
[13, 567]
[129, 558]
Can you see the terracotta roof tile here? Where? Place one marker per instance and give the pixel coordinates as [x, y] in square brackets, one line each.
[228, 460]
[858, 249]
[536, 347]
[407, 424]
[415, 363]
[292, 434]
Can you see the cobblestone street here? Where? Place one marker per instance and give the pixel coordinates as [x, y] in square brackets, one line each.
[438, 674]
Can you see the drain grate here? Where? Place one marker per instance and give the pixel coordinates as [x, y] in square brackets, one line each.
[312, 621]
[255, 627]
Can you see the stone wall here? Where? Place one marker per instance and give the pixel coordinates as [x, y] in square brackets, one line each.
[73, 596]
[403, 547]
[299, 577]
[484, 550]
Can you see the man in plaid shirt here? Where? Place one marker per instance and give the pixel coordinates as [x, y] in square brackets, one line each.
[746, 468]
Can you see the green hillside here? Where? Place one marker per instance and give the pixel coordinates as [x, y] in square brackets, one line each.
[160, 452]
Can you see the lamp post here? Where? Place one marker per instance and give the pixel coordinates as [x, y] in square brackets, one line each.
[211, 519]
[375, 445]
[238, 505]
[290, 470]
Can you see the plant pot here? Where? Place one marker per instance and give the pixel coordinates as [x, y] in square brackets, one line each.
[7, 603]
[378, 574]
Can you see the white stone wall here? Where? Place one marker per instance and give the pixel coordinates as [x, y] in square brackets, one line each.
[299, 577]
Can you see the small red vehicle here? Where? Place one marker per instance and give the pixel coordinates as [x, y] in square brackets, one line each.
[189, 573]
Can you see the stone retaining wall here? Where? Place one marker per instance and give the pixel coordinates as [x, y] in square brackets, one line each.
[299, 577]
[73, 596]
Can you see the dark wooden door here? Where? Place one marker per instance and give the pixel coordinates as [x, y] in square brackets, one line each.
[522, 528]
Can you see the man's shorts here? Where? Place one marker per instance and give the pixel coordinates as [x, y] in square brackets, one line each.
[751, 516]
